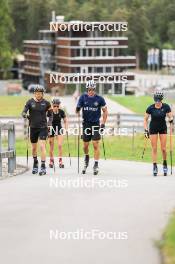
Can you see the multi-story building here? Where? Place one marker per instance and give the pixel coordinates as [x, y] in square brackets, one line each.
[85, 52]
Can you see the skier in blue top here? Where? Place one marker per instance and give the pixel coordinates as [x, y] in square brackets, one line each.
[92, 105]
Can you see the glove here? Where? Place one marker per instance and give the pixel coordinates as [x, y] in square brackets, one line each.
[24, 115]
[78, 109]
[102, 128]
[146, 133]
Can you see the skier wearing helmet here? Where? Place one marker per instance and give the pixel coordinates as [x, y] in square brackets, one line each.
[92, 105]
[158, 128]
[55, 131]
[38, 109]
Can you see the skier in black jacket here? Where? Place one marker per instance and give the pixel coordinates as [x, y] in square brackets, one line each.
[38, 109]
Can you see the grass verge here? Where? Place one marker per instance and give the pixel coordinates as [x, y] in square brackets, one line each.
[117, 147]
[167, 245]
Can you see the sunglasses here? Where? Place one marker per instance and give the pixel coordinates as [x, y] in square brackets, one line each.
[56, 106]
[91, 90]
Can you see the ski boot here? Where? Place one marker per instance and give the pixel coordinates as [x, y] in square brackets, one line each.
[42, 170]
[86, 164]
[35, 167]
[165, 168]
[51, 164]
[61, 165]
[96, 169]
[155, 169]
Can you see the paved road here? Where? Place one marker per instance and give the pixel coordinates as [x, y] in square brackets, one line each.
[31, 207]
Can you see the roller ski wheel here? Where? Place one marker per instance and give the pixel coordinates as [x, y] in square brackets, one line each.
[61, 165]
[95, 170]
[42, 171]
[35, 168]
[51, 164]
[155, 170]
[86, 164]
[165, 170]
[84, 170]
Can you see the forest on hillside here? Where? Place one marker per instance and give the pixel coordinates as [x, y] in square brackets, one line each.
[151, 23]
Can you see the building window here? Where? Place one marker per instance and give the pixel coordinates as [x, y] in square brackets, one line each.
[90, 69]
[116, 52]
[108, 69]
[97, 52]
[77, 53]
[104, 52]
[89, 52]
[84, 52]
[109, 52]
[99, 69]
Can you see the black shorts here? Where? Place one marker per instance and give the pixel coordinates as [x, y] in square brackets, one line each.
[55, 131]
[91, 132]
[38, 133]
[154, 131]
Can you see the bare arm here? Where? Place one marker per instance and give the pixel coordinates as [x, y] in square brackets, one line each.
[145, 123]
[105, 114]
[170, 116]
[65, 123]
[50, 116]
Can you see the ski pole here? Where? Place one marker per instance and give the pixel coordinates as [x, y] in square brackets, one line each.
[54, 166]
[144, 149]
[78, 143]
[171, 149]
[27, 154]
[104, 151]
[68, 146]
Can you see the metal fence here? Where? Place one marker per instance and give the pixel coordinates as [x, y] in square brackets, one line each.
[10, 153]
[119, 121]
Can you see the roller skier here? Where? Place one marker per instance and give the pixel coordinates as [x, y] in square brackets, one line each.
[56, 131]
[92, 105]
[158, 128]
[38, 109]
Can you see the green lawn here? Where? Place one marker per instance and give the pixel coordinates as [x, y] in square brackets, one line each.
[118, 147]
[136, 104]
[167, 245]
[13, 105]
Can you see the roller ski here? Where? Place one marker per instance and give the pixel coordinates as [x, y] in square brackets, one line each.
[42, 171]
[155, 169]
[35, 167]
[95, 169]
[86, 164]
[51, 164]
[61, 165]
[165, 168]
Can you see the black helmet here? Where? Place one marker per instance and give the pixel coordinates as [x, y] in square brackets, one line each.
[158, 96]
[56, 101]
[38, 88]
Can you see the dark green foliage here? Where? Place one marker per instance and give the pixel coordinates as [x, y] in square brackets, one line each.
[151, 22]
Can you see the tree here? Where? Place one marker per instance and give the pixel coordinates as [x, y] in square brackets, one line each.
[6, 28]
[138, 31]
[19, 12]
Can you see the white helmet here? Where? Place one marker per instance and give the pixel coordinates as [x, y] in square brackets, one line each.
[56, 100]
[91, 84]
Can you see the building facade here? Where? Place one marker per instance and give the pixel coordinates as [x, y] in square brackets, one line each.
[70, 52]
